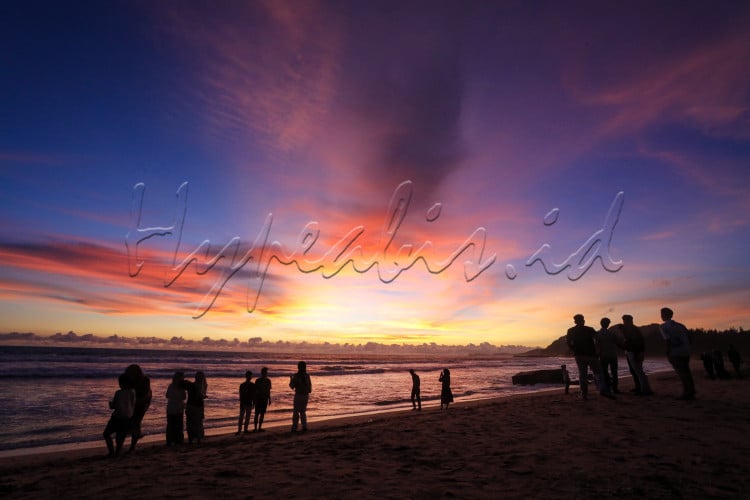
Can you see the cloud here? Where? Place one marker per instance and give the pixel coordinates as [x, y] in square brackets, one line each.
[404, 89]
[264, 72]
[699, 80]
[95, 277]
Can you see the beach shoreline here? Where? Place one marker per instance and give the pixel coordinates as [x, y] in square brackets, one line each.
[540, 445]
[94, 448]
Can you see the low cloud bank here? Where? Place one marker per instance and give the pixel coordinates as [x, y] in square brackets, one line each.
[253, 344]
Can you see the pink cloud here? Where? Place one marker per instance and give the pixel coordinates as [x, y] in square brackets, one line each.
[705, 85]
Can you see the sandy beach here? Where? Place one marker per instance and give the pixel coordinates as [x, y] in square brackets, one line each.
[547, 445]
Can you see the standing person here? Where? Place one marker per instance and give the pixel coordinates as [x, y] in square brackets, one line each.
[122, 405]
[176, 396]
[262, 398]
[302, 386]
[735, 358]
[606, 347]
[194, 410]
[446, 395]
[721, 372]
[142, 385]
[565, 378]
[678, 351]
[580, 339]
[247, 399]
[708, 364]
[416, 399]
[635, 350]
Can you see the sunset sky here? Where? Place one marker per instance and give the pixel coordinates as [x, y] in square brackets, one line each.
[618, 134]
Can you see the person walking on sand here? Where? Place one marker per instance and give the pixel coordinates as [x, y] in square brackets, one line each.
[446, 395]
[247, 399]
[635, 350]
[416, 399]
[606, 347]
[194, 409]
[565, 378]
[678, 351]
[580, 339]
[122, 404]
[176, 396]
[262, 398]
[302, 386]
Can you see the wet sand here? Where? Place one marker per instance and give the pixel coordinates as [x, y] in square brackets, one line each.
[546, 445]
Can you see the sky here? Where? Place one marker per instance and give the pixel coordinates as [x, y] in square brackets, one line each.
[348, 172]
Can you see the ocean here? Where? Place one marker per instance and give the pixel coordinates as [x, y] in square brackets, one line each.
[58, 396]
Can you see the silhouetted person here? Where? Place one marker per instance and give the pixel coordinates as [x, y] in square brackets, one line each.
[122, 404]
[565, 378]
[416, 399]
[302, 386]
[736, 360]
[142, 386]
[247, 400]
[708, 364]
[721, 372]
[194, 409]
[606, 348]
[580, 339]
[446, 395]
[262, 398]
[678, 351]
[635, 350]
[176, 396]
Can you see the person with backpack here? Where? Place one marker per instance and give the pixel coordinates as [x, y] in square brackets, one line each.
[677, 338]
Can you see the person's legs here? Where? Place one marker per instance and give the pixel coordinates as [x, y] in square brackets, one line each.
[604, 368]
[681, 365]
[135, 429]
[248, 412]
[243, 412]
[303, 412]
[172, 428]
[583, 375]
[614, 377]
[631, 369]
[637, 361]
[296, 412]
[107, 434]
[259, 416]
[120, 435]
[609, 372]
[596, 370]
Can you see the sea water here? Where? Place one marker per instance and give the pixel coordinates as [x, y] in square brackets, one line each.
[60, 395]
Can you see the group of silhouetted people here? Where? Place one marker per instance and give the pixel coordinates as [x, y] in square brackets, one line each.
[446, 395]
[598, 351]
[713, 363]
[254, 396]
[185, 405]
